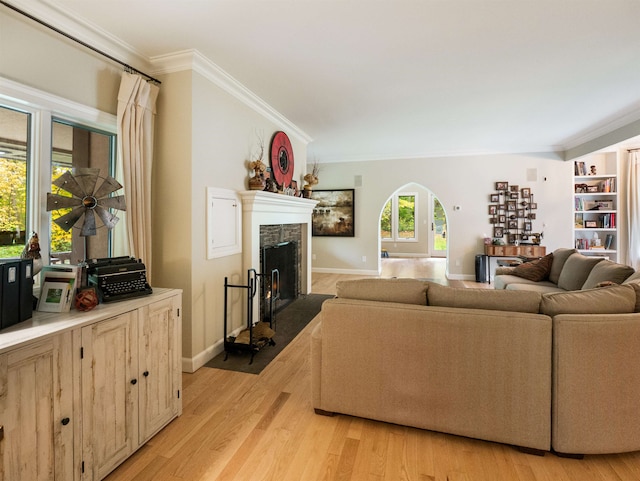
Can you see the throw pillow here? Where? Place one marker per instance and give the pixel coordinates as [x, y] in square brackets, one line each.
[560, 256]
[576, 270]
[607, 271]
[535, 270]
[606, 300]
[497, 300]
[403, 290]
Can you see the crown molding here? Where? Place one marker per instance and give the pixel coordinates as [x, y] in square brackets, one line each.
[602, 129]
[196, 62]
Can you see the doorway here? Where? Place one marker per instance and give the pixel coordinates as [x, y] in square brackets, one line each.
[413, 223]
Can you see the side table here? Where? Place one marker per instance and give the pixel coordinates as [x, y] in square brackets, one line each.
[526, 252]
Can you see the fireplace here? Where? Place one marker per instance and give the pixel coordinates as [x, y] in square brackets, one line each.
[280, 278]
[268, 219]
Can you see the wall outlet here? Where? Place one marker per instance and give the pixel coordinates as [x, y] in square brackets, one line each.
[364, 258]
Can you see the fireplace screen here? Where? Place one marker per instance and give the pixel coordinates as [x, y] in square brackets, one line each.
[279, 285]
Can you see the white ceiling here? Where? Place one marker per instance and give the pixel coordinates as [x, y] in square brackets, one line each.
[378, 79]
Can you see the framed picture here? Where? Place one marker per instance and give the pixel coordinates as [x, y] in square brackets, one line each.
[590, 224]
[502, 186]
[526, 192]
[493, 209]
[502, 206]
[532, 216]
[513, 224]
[493, 220]
[533, 206]
[513, 195]
[494, 198]
[498, 232]
[512, 239]
[502, 219]
[511, 205]
[520, 212]
[593, 188]
[514, 188]
[527, 226]
[334, 215]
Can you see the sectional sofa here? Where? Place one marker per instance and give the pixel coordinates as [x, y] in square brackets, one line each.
[556, 371]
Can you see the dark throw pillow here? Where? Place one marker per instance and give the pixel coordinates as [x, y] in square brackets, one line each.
[535, 271]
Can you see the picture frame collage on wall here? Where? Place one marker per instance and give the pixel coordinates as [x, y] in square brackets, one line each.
[512, 212]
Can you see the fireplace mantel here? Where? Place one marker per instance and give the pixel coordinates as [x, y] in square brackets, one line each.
[267, 208]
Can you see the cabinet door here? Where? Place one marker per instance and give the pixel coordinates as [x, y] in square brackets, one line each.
[159, 365]
[36, 411]
[109, 393]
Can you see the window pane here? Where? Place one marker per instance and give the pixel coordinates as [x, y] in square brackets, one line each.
[74, 147]
[385, 221]
[406, 216]
[14, 155]
[440, 221]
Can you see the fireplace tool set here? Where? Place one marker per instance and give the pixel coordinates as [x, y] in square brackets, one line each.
[256, 335]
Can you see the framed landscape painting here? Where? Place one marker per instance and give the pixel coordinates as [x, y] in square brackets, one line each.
[334, 213]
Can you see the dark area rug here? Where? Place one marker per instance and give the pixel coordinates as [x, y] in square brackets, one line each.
[289, 322]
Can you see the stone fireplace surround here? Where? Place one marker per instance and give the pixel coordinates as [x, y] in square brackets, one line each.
[261, 208]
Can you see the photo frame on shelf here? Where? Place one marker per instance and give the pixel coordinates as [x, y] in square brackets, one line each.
[334, 215]
[591, 224]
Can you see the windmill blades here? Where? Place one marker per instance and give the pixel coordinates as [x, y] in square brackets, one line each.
[116, 202]
[87, 178]
[68, 182]
[89, 225]
[67, 221]
[107, 187]
[55, 201]
[108, 219]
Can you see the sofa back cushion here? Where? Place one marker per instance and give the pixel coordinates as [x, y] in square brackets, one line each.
[495, 299]
[575, 271]
[635, 277]
[403, 290]
[536, 271]
[560, 256]
[604, 300]
[607, 271]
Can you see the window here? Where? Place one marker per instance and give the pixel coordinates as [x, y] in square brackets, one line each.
[41, 136]
[398, 219]
[14, 171]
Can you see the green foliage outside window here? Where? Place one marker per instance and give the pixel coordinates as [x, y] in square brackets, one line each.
[406, 216]
[60, 240]
[385, 221]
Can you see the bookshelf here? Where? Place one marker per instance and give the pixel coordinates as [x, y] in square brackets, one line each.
[595, 208]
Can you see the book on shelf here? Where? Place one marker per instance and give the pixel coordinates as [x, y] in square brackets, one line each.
[608, 241]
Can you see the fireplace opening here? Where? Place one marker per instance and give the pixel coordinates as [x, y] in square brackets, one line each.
[279, 278]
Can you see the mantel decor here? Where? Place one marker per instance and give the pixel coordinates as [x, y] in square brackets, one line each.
[281, 160]
[512, 212]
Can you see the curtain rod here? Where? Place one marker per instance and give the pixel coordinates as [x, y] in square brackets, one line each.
[127, 67]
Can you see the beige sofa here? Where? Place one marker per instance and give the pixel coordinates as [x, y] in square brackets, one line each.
[562, 270]
[513, 367]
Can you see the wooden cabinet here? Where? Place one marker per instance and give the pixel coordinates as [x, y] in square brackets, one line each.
[130, 382]
[36, 411]
[523, 250]
[80, 392]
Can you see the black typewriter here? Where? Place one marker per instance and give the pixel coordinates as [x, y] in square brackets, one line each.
[118, 278]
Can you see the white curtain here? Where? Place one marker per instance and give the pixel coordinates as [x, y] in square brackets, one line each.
[633, 208]
[136, 116]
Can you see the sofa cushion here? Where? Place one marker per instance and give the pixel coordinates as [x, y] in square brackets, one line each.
[604, 300]
[607, 271]
[575, 271]
[403, 290]
[560, 256]
[541, 287]
[636, 286]
[498, 300]
[536, 271]
[635, 277]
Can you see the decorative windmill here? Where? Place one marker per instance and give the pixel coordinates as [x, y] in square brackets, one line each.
[87, 200]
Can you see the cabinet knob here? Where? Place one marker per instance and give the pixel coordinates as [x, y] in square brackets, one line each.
[145, 374]
[65, 421]
[134, 381]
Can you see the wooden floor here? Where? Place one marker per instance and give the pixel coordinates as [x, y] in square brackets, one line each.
[239, 426]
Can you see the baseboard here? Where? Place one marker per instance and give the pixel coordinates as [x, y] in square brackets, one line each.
[192, 364]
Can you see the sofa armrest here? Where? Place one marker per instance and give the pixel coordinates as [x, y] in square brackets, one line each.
[596, 392]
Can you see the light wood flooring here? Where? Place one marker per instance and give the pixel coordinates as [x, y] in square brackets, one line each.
[239, 426]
